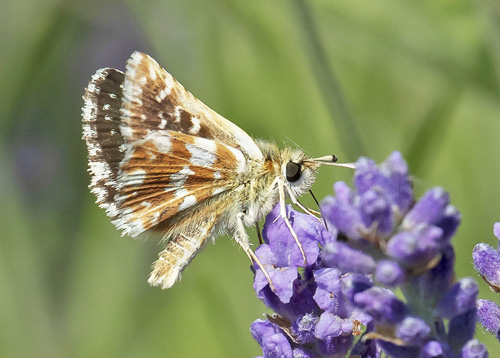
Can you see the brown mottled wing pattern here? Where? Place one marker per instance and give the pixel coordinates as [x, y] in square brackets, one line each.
[101, 131]
[169, 172]
[154, 100]
[147, 156]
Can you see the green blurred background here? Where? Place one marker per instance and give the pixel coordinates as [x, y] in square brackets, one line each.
[346, 77]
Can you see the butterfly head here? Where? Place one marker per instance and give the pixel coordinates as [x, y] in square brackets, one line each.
[299, 171]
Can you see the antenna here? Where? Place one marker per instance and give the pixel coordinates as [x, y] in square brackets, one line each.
[332, 160]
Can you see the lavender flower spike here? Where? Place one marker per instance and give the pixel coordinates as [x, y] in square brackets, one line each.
[343, 302]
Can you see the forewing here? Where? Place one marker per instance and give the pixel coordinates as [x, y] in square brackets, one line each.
[169, 172]
[154, 100]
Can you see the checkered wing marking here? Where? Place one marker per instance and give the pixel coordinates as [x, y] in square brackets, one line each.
[169, 172]
[101, 132]
[154, 100]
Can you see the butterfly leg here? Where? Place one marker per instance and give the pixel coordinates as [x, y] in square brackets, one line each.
[281, 191]
[296, 201]
[261, 241]
[242, 239]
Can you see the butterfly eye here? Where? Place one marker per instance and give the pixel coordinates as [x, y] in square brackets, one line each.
[293, 172]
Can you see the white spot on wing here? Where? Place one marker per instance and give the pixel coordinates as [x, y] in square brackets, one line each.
[195, 126]
[177, 114]
[156, 216]
[202, 152]
[181, 193]
[162, 143]
[126, 131]
[136, 177]
[180, 177]
[188, 202]
[218, 191]
[152, 72]
[239, 157]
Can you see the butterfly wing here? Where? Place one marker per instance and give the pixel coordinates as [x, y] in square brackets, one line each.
[170, 172]
[101, 131]
[154, 149]
[181, 249]
[154, 100]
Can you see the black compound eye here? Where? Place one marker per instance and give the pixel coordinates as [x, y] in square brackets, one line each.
[293, 172]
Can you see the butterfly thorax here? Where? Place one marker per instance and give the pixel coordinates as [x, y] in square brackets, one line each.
[258, 189]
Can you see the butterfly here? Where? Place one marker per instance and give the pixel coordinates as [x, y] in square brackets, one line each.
[162, 161]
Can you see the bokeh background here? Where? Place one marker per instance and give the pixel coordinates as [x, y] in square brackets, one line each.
[347, 77]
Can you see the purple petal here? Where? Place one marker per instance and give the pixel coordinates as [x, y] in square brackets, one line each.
[461, 329]
[354, 283]
[381, 304]
[273, 342]
[434, 283]
[367, 175]
[435, 349]
[428, 209]
[286, 251]
[376, 211]
[340, 255]
[303, 353]
[329, 325]
[302, 301]
[303, 329]
[342, 213]
[310, 233]
[488, 315]
[391, 177]
[417, 247]
[282, 279]
[335, 346]
[487, 263]
[496, 230]
[390, 273]
[449, 222]
[328, 294]
[399, 187]
[459, 299]
[413, 330]
[474, 349]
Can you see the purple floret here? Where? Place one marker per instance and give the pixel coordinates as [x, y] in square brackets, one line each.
[474, 349]
[382, 305]
[459, 299]
[390, 273]
[272, 340]
[488, 315]
[487, 263]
